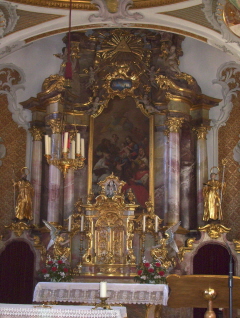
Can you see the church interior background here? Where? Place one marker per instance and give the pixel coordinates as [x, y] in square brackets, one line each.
[124, 147]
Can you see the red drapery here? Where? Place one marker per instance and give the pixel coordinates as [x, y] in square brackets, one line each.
[16, 273]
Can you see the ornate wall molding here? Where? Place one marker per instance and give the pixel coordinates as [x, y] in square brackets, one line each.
[8, 18]
[226, 78]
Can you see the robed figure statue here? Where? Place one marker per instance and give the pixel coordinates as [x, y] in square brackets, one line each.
[23, 209]
[212, 198]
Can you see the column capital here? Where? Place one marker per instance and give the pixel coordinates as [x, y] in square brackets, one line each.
[56, 125]
[36, 133]
[174, 124]
[201, 131]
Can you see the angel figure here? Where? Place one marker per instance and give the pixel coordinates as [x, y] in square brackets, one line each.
[58, 241]
[95, 106]
[147, 104]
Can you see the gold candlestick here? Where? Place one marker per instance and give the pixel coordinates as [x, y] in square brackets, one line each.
[103, 304]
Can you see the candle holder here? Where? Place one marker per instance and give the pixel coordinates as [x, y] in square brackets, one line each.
[103, 304]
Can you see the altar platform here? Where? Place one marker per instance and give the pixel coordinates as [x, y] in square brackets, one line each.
[59, 311]
[117, 293]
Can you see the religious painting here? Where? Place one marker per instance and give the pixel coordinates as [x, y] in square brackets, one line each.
[231, 16]
[121, 147]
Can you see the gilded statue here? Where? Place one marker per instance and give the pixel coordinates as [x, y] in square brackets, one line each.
[212, 198]
[23, 208]
[58, 241]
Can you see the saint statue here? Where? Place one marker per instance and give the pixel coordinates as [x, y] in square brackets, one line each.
[59, 248]
[23, 209]
[212, 198]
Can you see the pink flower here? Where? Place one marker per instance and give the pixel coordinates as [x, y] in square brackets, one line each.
[158, 264]
[54, 268]
[139, 272]
[151, 270]
[161, 273]
[44, 271]
[60, 261]
[146, 264]
[65, 270]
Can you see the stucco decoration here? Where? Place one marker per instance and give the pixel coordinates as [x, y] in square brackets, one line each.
[11, 80]
[113, 10]
[2, 150]
[226, 77]
[216, 18]
[8, 18]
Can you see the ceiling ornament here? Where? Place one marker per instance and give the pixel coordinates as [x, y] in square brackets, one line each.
[113, 10]
[8, 18]
[224, 18]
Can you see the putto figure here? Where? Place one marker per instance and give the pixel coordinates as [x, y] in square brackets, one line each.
[212, 198]
[23, 209]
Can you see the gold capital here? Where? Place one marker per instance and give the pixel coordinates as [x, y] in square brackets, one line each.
[174, 124]
[201, 131]
[56, 125]
[36, 133]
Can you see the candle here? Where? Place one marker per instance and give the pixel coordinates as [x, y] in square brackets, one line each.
[82, 223]
[65, 142]
[82, 148]
[47, 152]
[103, 289]
[49, 145]
[73, 148]
[78, 138]
[144, 223]
[69, 223]
[156, 224]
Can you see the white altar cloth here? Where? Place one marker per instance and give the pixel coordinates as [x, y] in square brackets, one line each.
[59, 311]
[89, 293]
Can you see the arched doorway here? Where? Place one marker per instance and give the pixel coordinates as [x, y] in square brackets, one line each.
[211, 259]
[16, 273]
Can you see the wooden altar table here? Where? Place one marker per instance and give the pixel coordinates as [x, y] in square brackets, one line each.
[59, 311]
[149, 294]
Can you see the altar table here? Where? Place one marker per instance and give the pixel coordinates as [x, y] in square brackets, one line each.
[58, 311]
[149, 294]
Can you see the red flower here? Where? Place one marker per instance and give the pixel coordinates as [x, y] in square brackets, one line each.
[44, 271]
[146, 264]
[65, 270]
[161, 273]
[139, 272]
[158, 264]
[50, 262]
[54, 268]
[60, 261]
[151, 270]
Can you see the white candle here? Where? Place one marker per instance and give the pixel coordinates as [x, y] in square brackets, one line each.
[73, 148]
[82, 223]
[65, 142]
[82, 148]
[144, 223]
[103, 289]
[156, 223]
[49, 145]
[70, 223]
[78, 138]
[47, 152]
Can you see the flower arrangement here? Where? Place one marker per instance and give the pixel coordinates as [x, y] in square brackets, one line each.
[56, 270]
[151, 273]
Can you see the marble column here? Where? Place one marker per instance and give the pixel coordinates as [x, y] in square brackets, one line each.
[54, 186]
[202, 169]
[174, 125]
[36, 177]
[68, 194]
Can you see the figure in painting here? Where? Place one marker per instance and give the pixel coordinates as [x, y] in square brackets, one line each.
[212, 198]
[23, 209]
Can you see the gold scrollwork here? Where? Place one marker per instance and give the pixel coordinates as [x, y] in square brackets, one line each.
[214, 231]
[37, 133]
[185, 249]
[201, 132]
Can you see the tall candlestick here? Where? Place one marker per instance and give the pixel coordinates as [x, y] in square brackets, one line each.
[65, 142]
[156, 223]
[70, 223]
[82, 148]
[103, 289]
[82, 223]
[144, 223]
[78, 138]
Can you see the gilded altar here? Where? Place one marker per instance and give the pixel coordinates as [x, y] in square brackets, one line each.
[109, 230]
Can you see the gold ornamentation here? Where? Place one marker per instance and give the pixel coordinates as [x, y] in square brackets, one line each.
[174, 124]
[56, 125]
[186, 77]
[53, 83]
[161, 253]
[65, 163]
[237, 245]
[19, 227]
[37, 133]
[185, 249]
[201, 131]
[214, 231]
